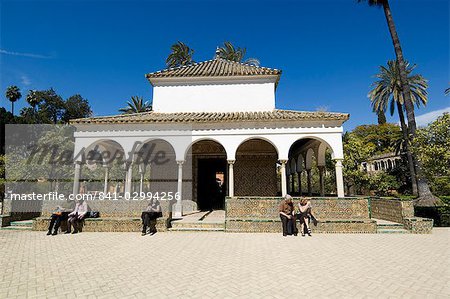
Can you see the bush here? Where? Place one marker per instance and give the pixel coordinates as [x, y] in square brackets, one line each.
[383, 184]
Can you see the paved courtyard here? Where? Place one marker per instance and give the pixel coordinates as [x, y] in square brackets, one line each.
[220, 265]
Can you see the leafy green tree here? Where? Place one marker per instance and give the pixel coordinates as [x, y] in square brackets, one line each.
[136, 105]
[387, 91]
[380, 137]
[76, 107]
[356, 151]
[425, 195]
[383, 183]
[432, 146]
[230, 52]
[180, 55]
[13, 95]
[51, 108]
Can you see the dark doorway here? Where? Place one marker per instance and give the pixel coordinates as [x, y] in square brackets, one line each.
[211, 188]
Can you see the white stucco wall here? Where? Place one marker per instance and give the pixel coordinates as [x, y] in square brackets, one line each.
[219, 96]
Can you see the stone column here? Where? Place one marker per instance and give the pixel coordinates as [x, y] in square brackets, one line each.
[308, 179]
[292, 182]
[178, 207]
[106, 183]
[283, 177]
[149, 177]
[76, 179]
[141, 178]
[339, 178]
[231, 178]
[299, 181]
[129, 178]
[321, 180]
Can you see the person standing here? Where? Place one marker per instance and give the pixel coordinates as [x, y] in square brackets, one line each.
[286, 210]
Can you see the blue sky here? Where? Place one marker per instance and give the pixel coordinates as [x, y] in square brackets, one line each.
[328, 50]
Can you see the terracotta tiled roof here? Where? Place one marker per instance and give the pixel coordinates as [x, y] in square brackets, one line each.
[213, 117]
[217, 67]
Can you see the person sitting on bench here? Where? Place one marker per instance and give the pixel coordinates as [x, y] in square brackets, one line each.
[60, 214]
[76, 216]
[149, 216]
[287, 216]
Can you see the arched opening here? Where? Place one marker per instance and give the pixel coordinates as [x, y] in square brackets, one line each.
[255, 169]
[315, 175]
[154, 169]
[103, 168]
[206, 169]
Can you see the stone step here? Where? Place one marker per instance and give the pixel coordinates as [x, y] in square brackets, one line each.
[27, 223]
[392, 231]
[16, 228]
[198, 225]
[390, 226]
[196, 229]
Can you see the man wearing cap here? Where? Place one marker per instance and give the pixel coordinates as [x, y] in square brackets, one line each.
[287, 216]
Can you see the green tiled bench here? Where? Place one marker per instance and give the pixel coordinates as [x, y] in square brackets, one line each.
[113, 224]
[273, 225]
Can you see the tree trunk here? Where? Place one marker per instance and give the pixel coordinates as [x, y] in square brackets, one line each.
[12, 108]
[425, 195]
[412, 171]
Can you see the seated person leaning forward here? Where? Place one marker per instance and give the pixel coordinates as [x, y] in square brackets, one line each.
[304, 207]
[77, 216]
[60, 214]
[149, 216]
[287, 216]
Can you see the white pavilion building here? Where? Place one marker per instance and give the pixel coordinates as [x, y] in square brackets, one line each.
[218, 124]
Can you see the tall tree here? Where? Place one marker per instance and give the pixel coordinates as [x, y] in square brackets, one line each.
[13, 94]
[51, 108]
[425, 195]
[76, 107]
[136, 105]
[387, 91]
[34, 98]
[381, 117]
[181, 55]
[230, 52]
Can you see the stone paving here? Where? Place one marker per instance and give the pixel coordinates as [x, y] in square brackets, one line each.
[221, 265]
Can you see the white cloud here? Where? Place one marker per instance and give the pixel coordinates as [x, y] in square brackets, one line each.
[32, 55]
[424, 119]
[25, 80]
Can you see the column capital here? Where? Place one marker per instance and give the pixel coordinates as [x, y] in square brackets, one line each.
[338, 162]
[180, 162]
[77, 162]
[283, 161]
[231, 161]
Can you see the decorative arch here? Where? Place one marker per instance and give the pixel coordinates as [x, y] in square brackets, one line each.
[258, 138]
[203, 139]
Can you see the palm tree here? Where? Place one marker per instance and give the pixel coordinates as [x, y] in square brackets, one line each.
[136, 105]
[34, 98]
[181, 55]
[13, 94]
[387, 91]
[230, 52]
[426, 198]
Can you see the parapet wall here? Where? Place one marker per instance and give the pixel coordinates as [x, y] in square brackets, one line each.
[395, 210]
